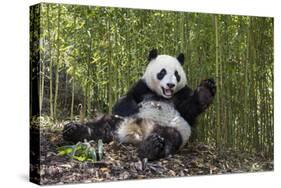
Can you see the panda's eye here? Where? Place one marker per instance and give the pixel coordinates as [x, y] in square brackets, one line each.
[177, 76]
[161, 74]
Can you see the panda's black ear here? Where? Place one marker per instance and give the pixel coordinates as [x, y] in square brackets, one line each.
[181, 58]
[152, 54]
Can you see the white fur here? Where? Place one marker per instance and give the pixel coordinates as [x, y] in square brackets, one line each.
[130, 132]
[171, 64]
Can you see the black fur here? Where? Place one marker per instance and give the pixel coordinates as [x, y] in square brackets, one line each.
[128, 105]
[152, 54]
[191, 103]
[102, 128]
[162, 142]
[125, 106]
[177, 76]
[161, 74]
[181, 58]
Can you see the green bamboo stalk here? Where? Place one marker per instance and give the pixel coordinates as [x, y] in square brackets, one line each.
[57, 64]
[218, 140]
[51, 63]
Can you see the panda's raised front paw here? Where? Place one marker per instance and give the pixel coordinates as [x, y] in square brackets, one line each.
[209, 84]
[75, 132]
[152, 148]
[206, 92]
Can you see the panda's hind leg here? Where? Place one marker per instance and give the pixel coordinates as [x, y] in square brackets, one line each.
[75, 132]
[102, 128]
[162, 142]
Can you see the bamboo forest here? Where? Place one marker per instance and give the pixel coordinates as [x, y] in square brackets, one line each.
[90, 56]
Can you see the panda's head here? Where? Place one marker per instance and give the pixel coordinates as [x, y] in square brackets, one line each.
[164, 74]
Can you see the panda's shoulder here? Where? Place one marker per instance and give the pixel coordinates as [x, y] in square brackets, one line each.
[183, 93]
[139, 89]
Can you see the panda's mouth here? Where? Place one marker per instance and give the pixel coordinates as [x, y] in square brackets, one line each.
[167, 92]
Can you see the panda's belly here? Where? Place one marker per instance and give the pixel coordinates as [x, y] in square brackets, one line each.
[165, 114]
[158, 111]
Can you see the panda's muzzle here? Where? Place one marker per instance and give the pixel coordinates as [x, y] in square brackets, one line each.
[168, 92]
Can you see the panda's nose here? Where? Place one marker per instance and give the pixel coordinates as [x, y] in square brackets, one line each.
[170, 85]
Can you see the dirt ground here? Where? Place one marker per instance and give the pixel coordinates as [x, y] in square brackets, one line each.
[120, 162]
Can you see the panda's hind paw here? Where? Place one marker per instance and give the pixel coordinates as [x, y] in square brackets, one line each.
[152, 148]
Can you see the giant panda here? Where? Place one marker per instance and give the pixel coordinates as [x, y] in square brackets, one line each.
[156, 114]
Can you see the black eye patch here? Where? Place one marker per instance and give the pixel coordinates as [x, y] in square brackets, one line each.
[161, 74]
[177, 76]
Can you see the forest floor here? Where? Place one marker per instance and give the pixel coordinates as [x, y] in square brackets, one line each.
[120, 162]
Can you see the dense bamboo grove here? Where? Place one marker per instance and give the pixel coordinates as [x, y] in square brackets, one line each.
[92, 55]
